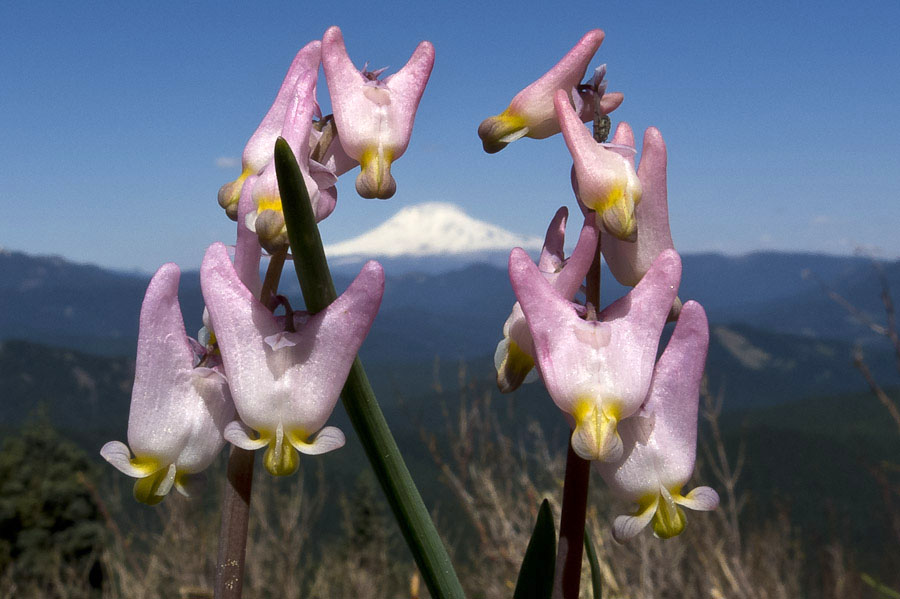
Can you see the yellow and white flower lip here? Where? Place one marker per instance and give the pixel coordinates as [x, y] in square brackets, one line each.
[604, 175]
[596, 371]
[374, 117]
[660, 441]
[514, 356]
[285, 384]
[178, 411]
[259, 149]
[628, 261]
[531, 113]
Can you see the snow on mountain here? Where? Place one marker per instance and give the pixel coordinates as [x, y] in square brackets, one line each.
[431, 229]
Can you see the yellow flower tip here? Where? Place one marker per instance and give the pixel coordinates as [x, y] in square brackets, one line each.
[596, 436]
[230, 195]
[669, 520]
[514, 368]
[268, 203]
[271, 230]
[146, 489]
[281, 459]
[618, 218]
[375, 180]
[498, 131]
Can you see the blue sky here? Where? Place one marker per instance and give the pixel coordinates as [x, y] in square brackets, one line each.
[782, 118]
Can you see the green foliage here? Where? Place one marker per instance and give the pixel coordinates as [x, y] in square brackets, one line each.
[596, 576]
[48, 518]
[536, 574]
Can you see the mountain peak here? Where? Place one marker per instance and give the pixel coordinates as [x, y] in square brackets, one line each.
[431, 229]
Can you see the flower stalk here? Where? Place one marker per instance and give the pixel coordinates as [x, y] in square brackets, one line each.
[238, 487]
[235, 518]
[567, 577]
[358, 398]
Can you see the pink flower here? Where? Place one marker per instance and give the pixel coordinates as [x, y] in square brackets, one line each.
[629, 261]
[514, 357]
[260, 148]
[286, 374]
[660, 441]
[374, 117]
[597, 369]
[604, 174]
[268, 218]
[531, 112]
[178, 409]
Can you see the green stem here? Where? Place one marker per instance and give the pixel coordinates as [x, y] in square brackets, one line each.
[359, 400]
[273, 277]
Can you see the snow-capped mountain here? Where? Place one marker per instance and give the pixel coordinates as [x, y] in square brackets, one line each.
[432, 232]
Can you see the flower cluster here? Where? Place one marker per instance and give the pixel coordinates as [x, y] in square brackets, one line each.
[633, 415]
[260, 380]
[370, 128]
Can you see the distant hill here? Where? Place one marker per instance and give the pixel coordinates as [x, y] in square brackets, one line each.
[813, 460]
[84, 395]
[456, 313]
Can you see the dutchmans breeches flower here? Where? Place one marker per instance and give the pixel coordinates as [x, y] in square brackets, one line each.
[531, 113]
[178, 410]
[660, 441]
[374, 117]
[605, 178]
[258, 151]
[514, 357]
[627, 260]
[286, 373]
[596, 368]
[268, 218]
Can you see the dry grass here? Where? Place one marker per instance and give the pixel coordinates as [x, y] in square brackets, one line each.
[496, 480]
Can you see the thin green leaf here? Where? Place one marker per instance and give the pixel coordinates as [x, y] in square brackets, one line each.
[883, 590]
[536, 574]
[358, 398]
[596, 577]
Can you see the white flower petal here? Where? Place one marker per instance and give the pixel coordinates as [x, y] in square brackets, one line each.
[328, 439]
[118, 454]
[626, 528]
[238, 434]
[702, 499]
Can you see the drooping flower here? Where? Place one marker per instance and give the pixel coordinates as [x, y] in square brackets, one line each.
[514, 357]
[286, 373]
[597, 369]
[604, 174]
[374, 117]
[628, 261]
[531, 112]
[660, 441]
[260, 147]
[268, 218]
[178, 409]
